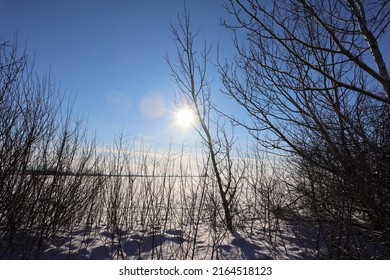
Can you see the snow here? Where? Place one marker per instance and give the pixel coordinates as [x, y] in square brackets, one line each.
[151, 219]
[101, 243]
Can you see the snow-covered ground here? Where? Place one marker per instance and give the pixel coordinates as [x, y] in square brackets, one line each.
[289, 239]
[176, 218]
[99, 244]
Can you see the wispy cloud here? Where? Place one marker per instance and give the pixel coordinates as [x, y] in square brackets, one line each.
[119, 102]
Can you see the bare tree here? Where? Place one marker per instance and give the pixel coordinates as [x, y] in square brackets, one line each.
[313, 79]
[190, 74]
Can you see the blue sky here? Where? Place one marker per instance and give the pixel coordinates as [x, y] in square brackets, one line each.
[109, 55]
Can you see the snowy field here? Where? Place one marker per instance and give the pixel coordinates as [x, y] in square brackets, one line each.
[182, 242]
[147, 218]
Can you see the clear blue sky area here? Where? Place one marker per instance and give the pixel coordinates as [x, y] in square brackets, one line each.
[109, 55]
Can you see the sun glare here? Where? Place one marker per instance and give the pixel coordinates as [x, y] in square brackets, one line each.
[185, 117]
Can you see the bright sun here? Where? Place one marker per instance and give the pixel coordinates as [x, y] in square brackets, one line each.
[185, 117]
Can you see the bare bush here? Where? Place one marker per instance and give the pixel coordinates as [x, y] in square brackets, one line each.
[45, 156]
